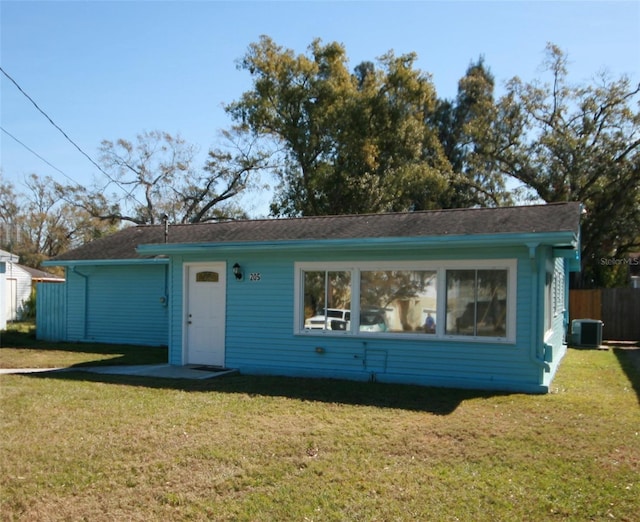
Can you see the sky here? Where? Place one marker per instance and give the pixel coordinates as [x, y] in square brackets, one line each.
[113, 69]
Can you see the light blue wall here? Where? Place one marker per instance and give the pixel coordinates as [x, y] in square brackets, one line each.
[176, 316]
[117, 304]
[51, 311]
[555, 346]
[260, 331]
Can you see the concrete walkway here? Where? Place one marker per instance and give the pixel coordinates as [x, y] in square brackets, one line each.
[163, 371]
[10, 371]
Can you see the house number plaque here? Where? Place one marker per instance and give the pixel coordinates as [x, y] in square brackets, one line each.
[255, 276]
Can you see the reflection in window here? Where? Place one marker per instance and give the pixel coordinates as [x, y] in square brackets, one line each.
[548, 301]
[327, 300]
[558, 278]
[398, 301]
[207, 277]
[476, 303]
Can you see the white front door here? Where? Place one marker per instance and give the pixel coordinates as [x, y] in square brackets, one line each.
[205, 307]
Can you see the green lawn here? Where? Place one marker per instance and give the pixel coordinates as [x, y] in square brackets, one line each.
[80, 446]
[20, 349]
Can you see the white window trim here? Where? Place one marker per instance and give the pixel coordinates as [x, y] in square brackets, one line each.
[440, 266]
[553, 296]
[548, 311]
[559, 286]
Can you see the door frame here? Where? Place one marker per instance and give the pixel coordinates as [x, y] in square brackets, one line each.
[186, 268]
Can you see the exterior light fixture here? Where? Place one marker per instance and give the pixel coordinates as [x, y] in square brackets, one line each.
[237, 271]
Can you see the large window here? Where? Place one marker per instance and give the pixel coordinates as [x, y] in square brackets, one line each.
[548, 301]
[430, 300]
[327, 300]
[477, 303]
[398, 301]
[554, 293]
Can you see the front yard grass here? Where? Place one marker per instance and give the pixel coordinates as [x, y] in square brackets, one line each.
[20, 349]
[80, 446]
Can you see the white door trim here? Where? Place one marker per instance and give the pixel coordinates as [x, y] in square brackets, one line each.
[221, 268]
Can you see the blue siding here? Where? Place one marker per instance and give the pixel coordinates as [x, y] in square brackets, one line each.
[118, 304]
[176, 317]
[51, 311]
[555, 339]
[77, 305]
[260, 334]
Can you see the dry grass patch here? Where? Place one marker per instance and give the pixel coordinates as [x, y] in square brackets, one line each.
[88, 447]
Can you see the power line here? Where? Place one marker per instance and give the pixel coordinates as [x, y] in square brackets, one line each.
[53, 123]
[128, 193]
[38, 155]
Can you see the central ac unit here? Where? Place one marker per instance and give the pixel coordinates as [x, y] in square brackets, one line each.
[586, 332]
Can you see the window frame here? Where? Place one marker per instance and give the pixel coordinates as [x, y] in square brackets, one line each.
[207, 276]
[549, 304]
[299, 306]
[438, 266]
[554, 295]
[559, 287]
[475, 301]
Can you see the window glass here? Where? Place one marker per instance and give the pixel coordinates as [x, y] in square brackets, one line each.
[397, 301]
[461, 296]
[477, 303]
[558, 278]
[548, 298]
[207, 277]
[327, 300]
[491, 313]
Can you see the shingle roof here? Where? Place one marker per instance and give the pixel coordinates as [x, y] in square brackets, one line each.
[41, 274]
[558, 217]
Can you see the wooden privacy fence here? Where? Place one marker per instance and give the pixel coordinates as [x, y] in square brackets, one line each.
[617, 308]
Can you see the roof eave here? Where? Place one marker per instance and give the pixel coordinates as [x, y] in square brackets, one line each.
[556, 239]
[110, 262]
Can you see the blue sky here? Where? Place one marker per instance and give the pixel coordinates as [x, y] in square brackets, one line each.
[109, 70]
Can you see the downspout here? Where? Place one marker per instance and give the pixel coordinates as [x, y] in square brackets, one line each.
[534, 356]
[86, 300]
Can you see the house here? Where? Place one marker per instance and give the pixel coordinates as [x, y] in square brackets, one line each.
[7, 259]
[16, 284]
[473, 298]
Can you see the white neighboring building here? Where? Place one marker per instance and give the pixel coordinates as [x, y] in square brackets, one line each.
[7, 260]
[16, 282]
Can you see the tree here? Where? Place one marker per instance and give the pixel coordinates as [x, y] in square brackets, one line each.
[578, 143]
[147, 169]
[9, 212]
[39, 224]
[461, 124]
[350, 142]
[159, 180]
[226, 175]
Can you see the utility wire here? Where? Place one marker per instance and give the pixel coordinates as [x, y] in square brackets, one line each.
[52, 122]
[38, 155]
[129, 193]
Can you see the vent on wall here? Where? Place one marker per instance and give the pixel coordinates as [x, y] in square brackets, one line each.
[586, 332]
